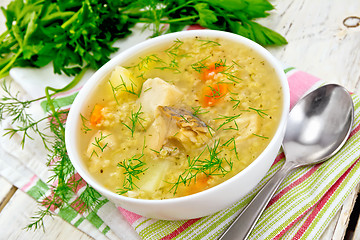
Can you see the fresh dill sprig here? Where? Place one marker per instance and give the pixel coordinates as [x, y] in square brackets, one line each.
[134, 120]
[260, 112]
[27, 128]
[58, 160]
[11, 106]
[133, 167]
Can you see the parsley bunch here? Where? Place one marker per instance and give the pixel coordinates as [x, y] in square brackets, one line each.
[73, 34]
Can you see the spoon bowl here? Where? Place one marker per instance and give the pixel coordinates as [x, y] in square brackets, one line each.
[318, 126]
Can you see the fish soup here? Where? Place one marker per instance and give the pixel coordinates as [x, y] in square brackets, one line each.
[180, 119]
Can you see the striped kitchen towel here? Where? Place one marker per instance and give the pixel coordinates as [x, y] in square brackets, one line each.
[302, 208]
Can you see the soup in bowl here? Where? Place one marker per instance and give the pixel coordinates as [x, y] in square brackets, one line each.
[180, 126]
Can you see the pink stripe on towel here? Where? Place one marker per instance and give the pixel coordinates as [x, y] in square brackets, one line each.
[299, 83]
[130, 216]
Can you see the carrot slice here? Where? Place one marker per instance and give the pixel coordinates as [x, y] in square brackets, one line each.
[200, 185]
[96, 115]
[209, 73]
[213, 94]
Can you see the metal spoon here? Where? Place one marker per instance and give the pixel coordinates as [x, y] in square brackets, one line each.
[318, 126]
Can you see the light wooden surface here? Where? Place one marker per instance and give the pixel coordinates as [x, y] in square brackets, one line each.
[319, 43]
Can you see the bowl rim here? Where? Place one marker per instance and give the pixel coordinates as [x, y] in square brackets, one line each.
[79, 102]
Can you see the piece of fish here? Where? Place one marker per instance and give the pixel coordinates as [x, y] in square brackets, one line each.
[177, 129]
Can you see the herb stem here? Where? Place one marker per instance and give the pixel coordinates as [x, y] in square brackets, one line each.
[179, 7]
[75, 81]
[56, 16]
[144, 20]
[71, 20]
[5, 71]
[4, 34]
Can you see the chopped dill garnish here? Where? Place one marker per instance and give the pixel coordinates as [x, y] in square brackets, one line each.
[228, 143]
[98, 142]
[198, 110]
[230, 74]
[154, 151]
[257, 135]
[145, 61]
[134, 120]
[172, 51]
[147, 89]
[211, 130]
[200, 65]
[235, 63]
[84, 127]
[189, 174]
[261, 112]
[220, 63]
[205, 42]
[215, 92]
[214, 164]
[211, 165]
[184, 118]
[173, 65]
[173, 54]
[124, 88]
[133, 167]
[237, 102]
[227, 120]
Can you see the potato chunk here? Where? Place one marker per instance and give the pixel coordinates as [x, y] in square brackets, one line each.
[122, 82]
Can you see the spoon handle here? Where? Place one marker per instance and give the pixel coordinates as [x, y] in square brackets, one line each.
[244, 223]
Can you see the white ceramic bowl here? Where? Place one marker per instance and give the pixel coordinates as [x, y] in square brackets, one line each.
[199, 204]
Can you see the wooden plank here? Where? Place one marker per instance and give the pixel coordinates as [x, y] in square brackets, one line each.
[345, 212]
[6, 191]
[16, 215]
[319, 43]
[356, 234]
[329, 231]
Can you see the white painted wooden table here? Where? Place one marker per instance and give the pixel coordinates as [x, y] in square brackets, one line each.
[319, 43]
